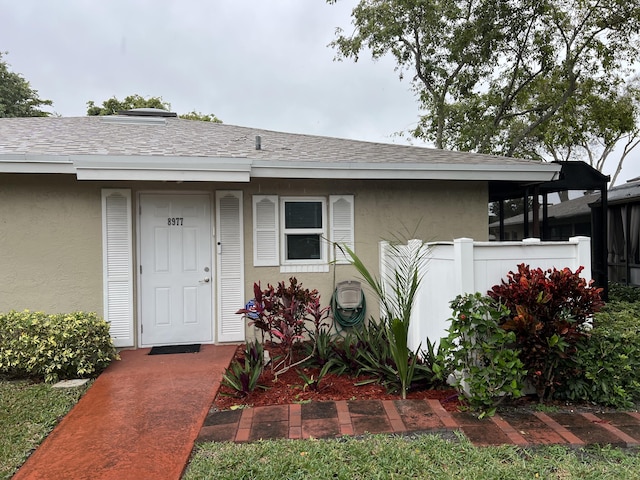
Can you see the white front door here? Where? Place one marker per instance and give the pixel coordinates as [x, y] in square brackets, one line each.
[176, 271]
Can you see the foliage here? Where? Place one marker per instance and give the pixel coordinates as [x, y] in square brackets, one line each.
[486, 367]
[397, 293]
[283, 312]
[599, 117]
[623, 293]
[243, 376]
[28, 412]
[17, 98]
[402, 458]
[547, 313]
[608, 359]
[312, 382]
[53, 347]
[499, 77]
[202, 117]
[367, 351]
[320, 348]
[113, 106]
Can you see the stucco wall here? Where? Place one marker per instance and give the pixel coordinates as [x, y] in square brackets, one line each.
[428, 210]
[50, 244]
[51, 240]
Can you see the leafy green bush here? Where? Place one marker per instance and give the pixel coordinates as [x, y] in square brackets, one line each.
[53, 347]
[397, 293]
[367, 351]
[623, 293]
[486, 367]
[548, 309]
[608, 359]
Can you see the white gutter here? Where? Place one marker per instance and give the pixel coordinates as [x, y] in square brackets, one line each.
[241, 169]
[404, 171]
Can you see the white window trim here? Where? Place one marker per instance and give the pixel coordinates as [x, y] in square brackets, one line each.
[324, 257]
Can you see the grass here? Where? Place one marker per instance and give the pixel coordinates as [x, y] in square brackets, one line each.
[28, 412]
[425, 456]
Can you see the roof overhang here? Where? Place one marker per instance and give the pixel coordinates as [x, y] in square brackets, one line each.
[405, 171]
[154, 168]
[234, 169]
[22, 163]
[124, 167]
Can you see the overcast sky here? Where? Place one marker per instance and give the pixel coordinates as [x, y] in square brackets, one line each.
[254, 63]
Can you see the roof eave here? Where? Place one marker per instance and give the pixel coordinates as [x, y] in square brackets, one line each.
[406, 171]
[235, 169]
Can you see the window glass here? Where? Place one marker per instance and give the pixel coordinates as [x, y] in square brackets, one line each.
[303, 247]
[303, 215]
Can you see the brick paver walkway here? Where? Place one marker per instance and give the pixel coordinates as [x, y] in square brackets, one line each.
[335, 419]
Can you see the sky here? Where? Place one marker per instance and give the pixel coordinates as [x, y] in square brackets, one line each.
[252, 63]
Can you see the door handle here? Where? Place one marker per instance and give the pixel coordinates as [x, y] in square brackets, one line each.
[206, 280]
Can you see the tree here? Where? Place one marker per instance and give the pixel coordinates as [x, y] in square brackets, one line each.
[491, 74]
[193, 115]
[592, 125]
[17, 98]
[112, 106]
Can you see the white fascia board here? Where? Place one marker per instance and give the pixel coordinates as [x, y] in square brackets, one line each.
[402, 171]
[26, 163]
[161, 168]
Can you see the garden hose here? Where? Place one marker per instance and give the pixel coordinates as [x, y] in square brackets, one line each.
[353, 320]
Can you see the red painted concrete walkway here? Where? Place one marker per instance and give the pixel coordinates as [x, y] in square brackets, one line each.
[138, 420]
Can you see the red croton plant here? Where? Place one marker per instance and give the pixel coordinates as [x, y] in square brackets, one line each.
[548, 311]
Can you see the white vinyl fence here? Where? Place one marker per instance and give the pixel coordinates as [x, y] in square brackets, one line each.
[464, 266]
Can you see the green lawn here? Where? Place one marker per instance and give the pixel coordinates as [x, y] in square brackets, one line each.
[28, 412]
[425, 457]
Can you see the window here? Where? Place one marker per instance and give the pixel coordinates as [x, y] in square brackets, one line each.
[303, 230]
[292, 232]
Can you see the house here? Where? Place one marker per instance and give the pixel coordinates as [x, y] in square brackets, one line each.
[163, 224]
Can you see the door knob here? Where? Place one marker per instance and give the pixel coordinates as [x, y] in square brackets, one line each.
[206, 280]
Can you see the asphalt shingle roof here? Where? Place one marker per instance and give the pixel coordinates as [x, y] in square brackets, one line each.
[187, 138]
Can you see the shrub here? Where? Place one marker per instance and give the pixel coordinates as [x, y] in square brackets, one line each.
[53, 347]
[547, 311]
[623, 293]
[608, 359]
[397, 293]
[486, 367]
[242, 375]
[281, 312]
[367, 351]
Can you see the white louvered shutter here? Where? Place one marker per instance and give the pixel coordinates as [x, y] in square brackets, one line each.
[266, 234]
[342, 225]
[117, 265]
[230, 266]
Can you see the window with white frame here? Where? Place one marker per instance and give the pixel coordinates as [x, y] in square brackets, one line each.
[302, 233]
[303, 229]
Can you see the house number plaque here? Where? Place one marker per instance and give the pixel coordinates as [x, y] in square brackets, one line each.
[174, 221]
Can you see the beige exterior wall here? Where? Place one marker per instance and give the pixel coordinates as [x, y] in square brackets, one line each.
[428, 210]
[51, 233]
[50, 244]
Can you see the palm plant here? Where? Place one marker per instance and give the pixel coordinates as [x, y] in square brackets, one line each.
[397, 292]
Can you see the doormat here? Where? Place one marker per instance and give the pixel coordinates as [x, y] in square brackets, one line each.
[167, 349]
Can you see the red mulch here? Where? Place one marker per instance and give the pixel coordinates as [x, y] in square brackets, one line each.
[290, 388]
